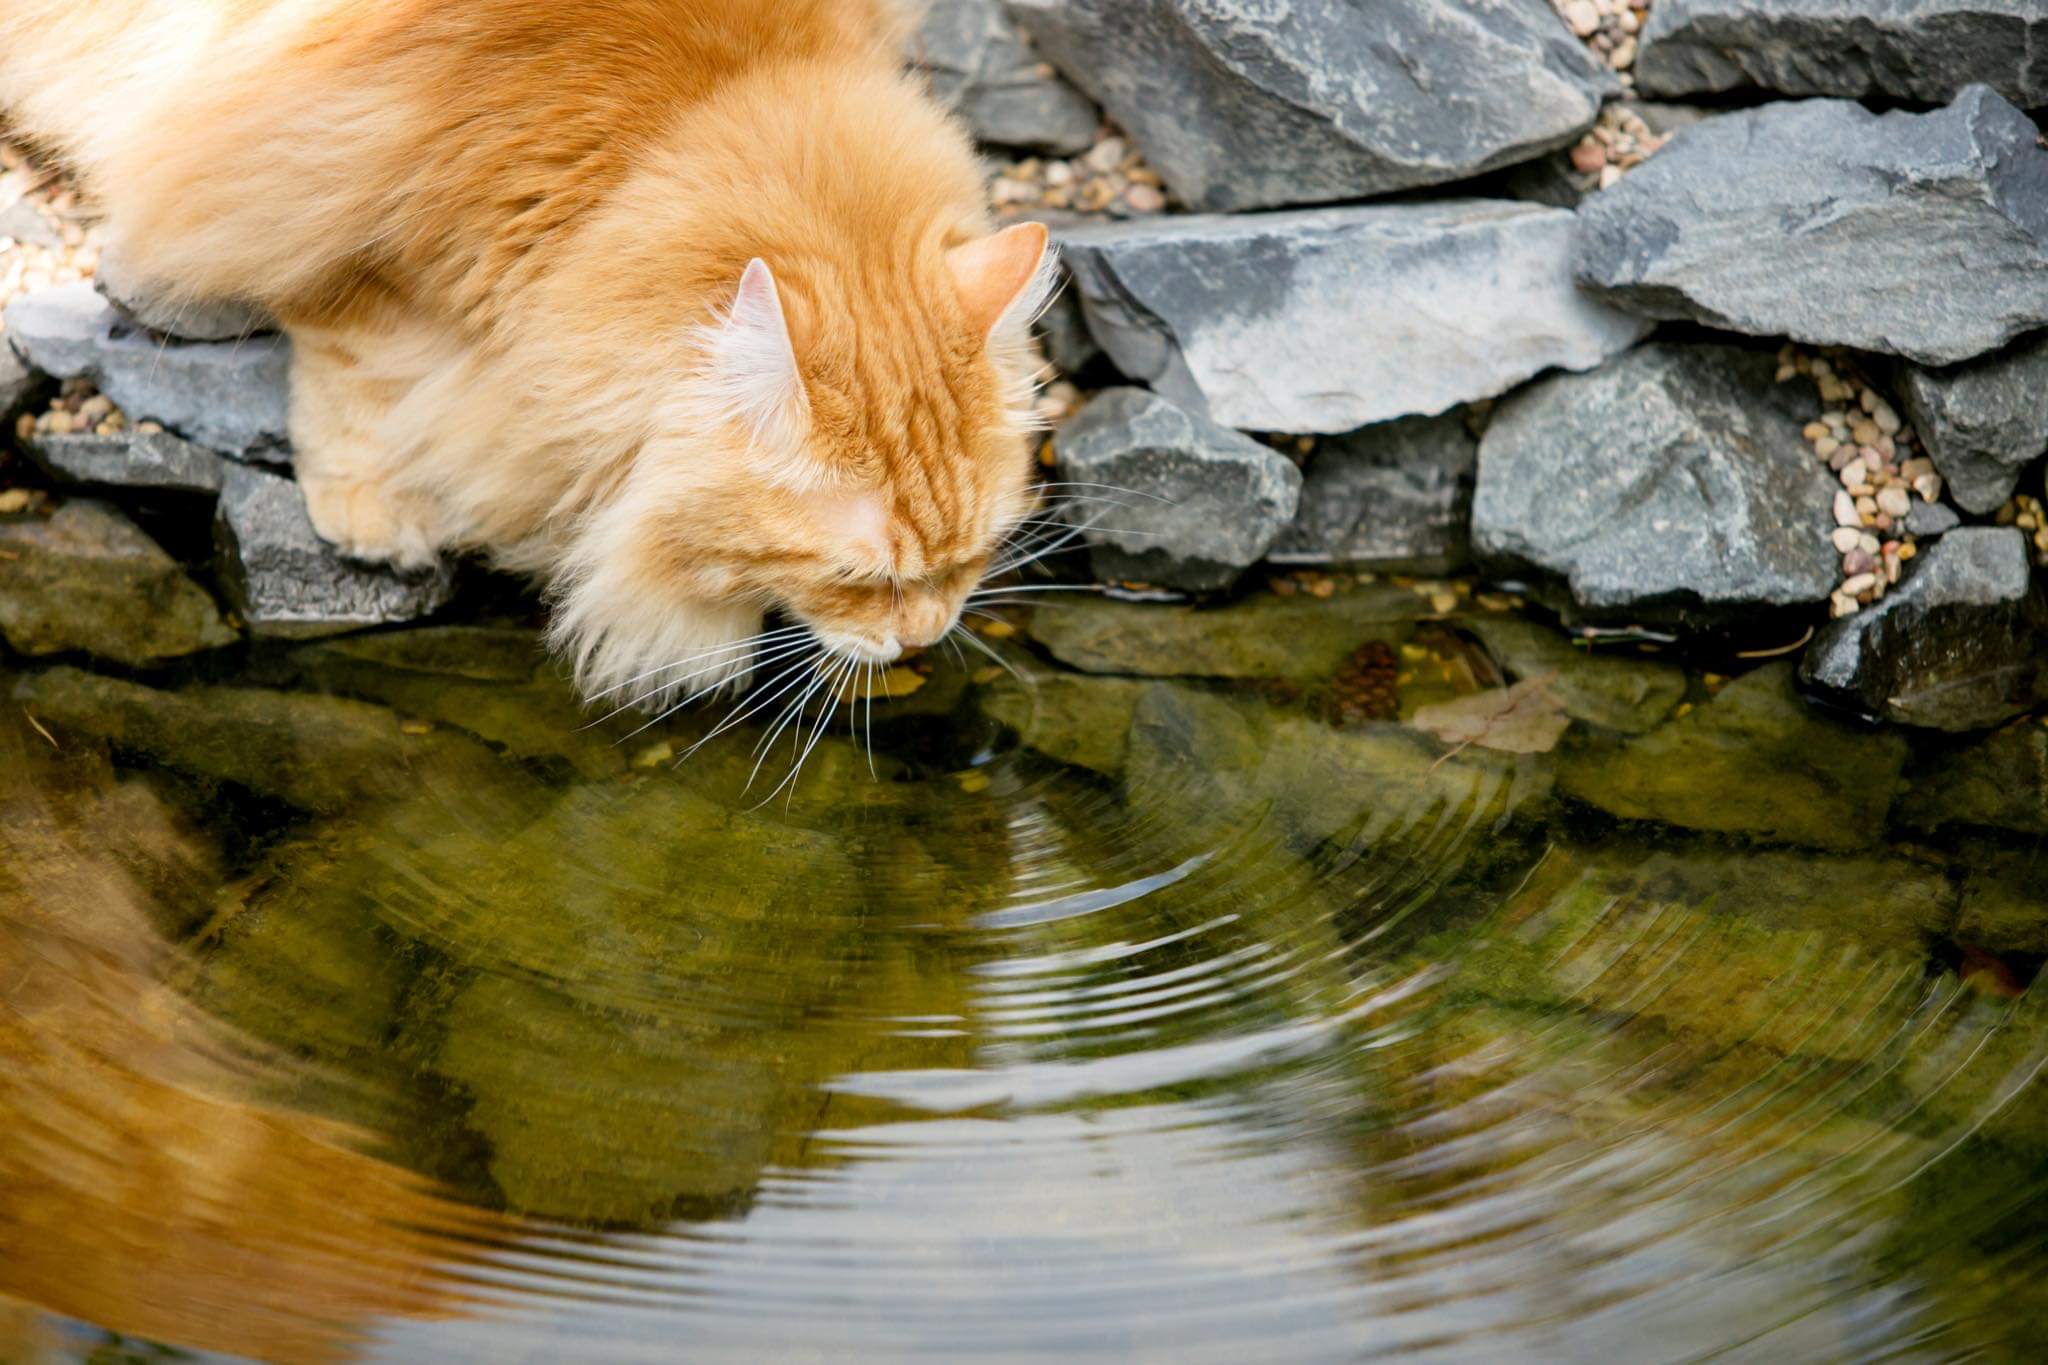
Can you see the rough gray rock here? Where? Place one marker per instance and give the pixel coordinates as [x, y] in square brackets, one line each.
[229, 396]
[1930, 519]
[1063, 332]
[982, 67]
[87, 578]
[1961, 644]
[1983, 422]
[144, 460]
[188, 319]
[18, 383]
[1394, 497]
[1327, 320]
[1924, 50]
[1204, 502]
[285, 580]
[1921, 235]
[1250, 104]
[1671, 484]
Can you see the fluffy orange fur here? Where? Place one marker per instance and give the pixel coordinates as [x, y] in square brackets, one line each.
[689, 307]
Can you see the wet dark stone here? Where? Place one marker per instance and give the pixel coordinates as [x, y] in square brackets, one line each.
[1999, 781]
[157, 461]
[1202, 502]
[1804, 219]
[1670, 485]
[1983, 422]
[1394, 497]
[1250, 105]
[229, 396]
[86, 578]
[285, 580]
[1327, 320]
[1960, 644]
[981, 66]
[1923, 50]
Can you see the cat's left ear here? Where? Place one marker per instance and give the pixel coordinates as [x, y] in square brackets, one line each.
[1001, 276]
[754, 362]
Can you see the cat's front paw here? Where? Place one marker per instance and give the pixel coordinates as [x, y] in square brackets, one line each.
[370, 521]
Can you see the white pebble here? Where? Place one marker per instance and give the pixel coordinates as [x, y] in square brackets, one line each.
[1894, 501]
[1845, 510]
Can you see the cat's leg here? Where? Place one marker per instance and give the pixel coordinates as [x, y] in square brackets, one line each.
[346, 382]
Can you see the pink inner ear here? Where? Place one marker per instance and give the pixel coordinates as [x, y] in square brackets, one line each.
[991, 274]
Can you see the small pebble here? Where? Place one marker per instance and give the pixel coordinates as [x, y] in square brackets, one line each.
[1846, 538]
[1894, 501]
[1845, 510]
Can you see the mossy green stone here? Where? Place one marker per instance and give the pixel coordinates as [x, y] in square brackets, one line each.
[1608, 690]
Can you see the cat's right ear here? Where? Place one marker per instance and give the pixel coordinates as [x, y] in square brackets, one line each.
[753, 364]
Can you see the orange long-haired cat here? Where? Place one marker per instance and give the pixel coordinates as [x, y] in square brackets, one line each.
[689, 307]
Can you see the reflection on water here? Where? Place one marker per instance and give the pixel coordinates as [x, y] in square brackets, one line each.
[362, 1007]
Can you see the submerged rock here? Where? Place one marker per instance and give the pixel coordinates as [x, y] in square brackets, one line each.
[1983, 422]
[1216, 768]
[1395, 497]
[1630, 695]
[1326, 320]
[1801, 219]
[1671, 484]
[1244, 105]
[231, 397]
[1997, 782]
[981, 66]
[1960, 644]
[1922, 50]
[156, 461]
[2005, 898]
[320, 754]
[1073, 718]
[285, 580]
[1203, 502]
[88, 579]
[1753, 761]
[186, 319]
[1260, 637]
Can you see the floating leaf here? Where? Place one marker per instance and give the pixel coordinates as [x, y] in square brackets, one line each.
[1527, 718]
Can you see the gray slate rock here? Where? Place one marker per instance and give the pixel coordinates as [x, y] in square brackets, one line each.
[1250, 104]
[1983, 422]
[1921, 235]
[981, 66]
[229, 396]
[157, 461]
[1204, 501]
[186, 319]
[1961, 644]
[1930, 519]
[1924, 50]
[87, 578]
[1327, 320]
[1670, 485]
[286, 581]
[18, 383]
[1394, 497]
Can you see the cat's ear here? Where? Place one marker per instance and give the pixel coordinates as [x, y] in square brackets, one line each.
[1002, 276]
[754, 367]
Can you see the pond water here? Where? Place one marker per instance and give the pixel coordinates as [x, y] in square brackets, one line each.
[1176, 996]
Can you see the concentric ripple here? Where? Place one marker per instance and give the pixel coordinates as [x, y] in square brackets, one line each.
[540, 1053]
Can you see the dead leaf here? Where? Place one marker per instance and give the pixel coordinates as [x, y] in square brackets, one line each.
[1527, 718]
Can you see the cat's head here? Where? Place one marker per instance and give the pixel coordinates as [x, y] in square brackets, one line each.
[852, 452]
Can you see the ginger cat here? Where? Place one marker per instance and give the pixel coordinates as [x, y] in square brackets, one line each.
[690, 308]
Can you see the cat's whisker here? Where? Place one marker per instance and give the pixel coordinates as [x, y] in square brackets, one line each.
[983, 646]
[793, 712]
[751, 642]
[789, 677]
[665, 713]
[1109, 487]
[787, 649]
[868, 686]
[982, 594]
[839, 675]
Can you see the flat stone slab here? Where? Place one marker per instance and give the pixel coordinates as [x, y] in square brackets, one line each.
[1671, 484]
[157, 461]
[1183, 502]
[1251, 104]
[1327, 320]
[286, 581]
[1918, 235]
[229, 396]
[1923, 50]
[86, 578]
[1960, 644]
[1395, 497]
[186, 319]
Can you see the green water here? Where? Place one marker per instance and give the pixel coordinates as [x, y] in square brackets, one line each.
[1173, 997]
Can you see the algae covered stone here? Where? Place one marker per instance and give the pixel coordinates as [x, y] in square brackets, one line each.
[1614, 692]
[1999, 782]
[87, 578]
[1756, 761]
[1263, 636]
[1072, 718]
